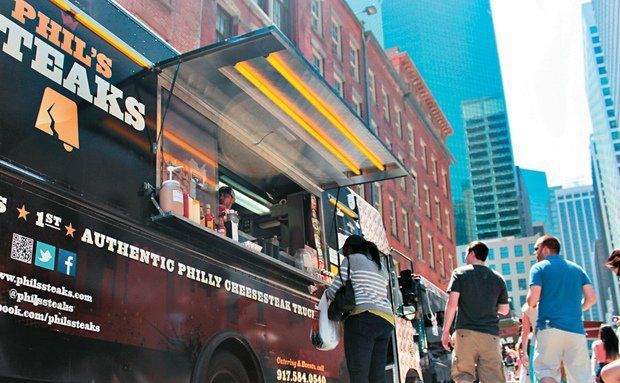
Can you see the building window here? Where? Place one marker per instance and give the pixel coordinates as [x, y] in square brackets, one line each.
[418, 241]
[316, 11]
[373, 125]
[506, 268]
[522, 300]
[438, 213]
[533, 262]
[448, 226]
[431, 251]
[411, 139]
[359, 189]
[280, 15]
[393, 227]
[427, 201]
[522, 284]
[398, 123]
[530, 249]
[414, 181]
[406, 239]
[442, 262]
[339, 85]
[508, 282]
[503, 252]
[452, 265]
[423, 155]
[518, 251]
[434, 170]
[378, 202]
[386, 105]
[491, 256]
[223, 24]
[402, 180]
[354, 60]
[372, 90]
[492, 267]
[357, 105]
[264, 5]
[444, 175]
[337, 40]
[520, 268]
[318, 62]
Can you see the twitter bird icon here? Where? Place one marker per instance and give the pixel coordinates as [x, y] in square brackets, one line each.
[45, 255]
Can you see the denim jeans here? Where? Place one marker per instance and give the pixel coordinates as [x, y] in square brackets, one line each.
[366, 339]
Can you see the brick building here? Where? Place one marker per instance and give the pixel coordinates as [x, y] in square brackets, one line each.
[417, 211]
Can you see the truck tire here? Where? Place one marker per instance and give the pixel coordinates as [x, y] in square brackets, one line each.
[225, 367]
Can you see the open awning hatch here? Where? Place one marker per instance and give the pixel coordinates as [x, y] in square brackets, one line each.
[263, 93]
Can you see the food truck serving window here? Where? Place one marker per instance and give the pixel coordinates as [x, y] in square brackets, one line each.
[251, 137]
[220, 184]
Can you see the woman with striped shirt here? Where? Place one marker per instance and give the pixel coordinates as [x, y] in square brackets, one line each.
[367, 330]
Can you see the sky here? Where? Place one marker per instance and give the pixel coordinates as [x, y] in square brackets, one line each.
[541, 55]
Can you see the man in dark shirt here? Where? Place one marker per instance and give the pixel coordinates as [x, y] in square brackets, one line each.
[479, 294]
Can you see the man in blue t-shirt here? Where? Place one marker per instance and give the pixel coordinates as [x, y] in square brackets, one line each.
[563, 291]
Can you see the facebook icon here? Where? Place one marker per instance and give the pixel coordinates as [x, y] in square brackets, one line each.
[67, 262]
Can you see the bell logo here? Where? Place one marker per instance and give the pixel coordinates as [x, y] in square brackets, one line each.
[58, 117]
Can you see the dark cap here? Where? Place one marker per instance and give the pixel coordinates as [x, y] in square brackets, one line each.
[226, 190]
[354, 240]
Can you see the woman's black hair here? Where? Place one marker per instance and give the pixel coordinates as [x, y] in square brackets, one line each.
[370, 249]
[373, 251]
[610, 341]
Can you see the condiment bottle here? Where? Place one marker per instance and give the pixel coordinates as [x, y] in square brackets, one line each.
[221, 226]
[170, 194]
[209, 221]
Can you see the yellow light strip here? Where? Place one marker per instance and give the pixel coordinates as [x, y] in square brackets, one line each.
[343, 208]
[105, 35]
[294, 113]
[276, 61]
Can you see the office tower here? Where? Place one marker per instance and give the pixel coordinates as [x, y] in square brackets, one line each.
[606, 17]
[512, 258]
[605, 139]
[601, 70]
[534, 197]
[579, 232]
[452, 43]
[492, 168]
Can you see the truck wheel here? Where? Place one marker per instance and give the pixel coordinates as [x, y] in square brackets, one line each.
[225, 367]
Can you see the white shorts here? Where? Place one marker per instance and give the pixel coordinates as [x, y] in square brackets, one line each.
[554, 347]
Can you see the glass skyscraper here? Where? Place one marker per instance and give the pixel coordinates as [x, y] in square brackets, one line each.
[534, 191]
[452, 43]
[494, 187]
[605, 139]
[579, 232]
[601, 70]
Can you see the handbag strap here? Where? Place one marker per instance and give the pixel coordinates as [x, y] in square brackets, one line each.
[348, 271]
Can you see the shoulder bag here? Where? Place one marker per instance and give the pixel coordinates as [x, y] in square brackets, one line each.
[344, 300]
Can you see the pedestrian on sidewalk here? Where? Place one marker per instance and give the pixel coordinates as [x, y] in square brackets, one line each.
[368, 328]
[611, 372]
[604, 350]
[528, 330]
[477, 295]
[562, 291]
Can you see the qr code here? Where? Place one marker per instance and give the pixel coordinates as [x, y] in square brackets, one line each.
[21, 250]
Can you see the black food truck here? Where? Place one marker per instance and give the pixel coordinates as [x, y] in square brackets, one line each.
[102, 124]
